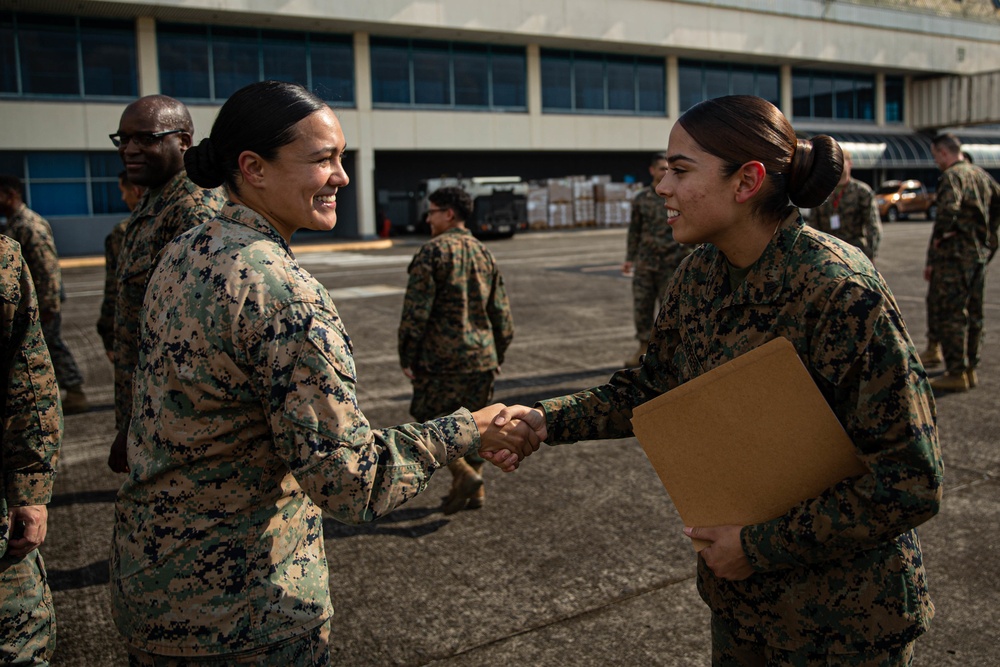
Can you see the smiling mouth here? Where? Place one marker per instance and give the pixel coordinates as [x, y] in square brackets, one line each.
[672, 213]
[325, 199]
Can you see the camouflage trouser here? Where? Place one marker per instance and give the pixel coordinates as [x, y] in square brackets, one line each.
[309, 650]
[439, 394]
[27, 618]
[957, 312]
[730, 651]
[648, 287]
[67, 372]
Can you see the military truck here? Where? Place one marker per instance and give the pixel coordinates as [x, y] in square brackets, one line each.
[500, 203]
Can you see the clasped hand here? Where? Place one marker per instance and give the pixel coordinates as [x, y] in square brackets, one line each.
[509, 434]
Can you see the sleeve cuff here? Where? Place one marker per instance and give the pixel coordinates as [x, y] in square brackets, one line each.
[29, 489]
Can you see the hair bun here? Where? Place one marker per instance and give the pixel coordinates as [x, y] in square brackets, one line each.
[816, 167]
[202, 164]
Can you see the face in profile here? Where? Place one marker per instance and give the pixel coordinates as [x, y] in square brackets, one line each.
[699, 198]
[301, 183]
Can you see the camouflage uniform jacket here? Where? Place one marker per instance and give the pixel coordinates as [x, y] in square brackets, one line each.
[106, 320]
[857, 211]
[246, 425]
[650, 239]
[841, 572]
[31, 411]
[38, 247]
[456, 316]
[159, 217]
[968, 214]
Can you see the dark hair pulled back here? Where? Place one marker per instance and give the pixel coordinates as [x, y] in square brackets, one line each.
[261, 118]
[742, 128]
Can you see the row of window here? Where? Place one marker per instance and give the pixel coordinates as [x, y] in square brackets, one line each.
[47, 55]
[61, 183]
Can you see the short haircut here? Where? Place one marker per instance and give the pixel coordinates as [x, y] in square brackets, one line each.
[656, 158]
[12, 183]
[948, 142]
[457, 199]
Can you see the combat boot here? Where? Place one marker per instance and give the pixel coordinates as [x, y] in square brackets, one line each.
[971, 377]
[465, 483]
[932, 355]
[75, 401]
[950, 382]
[478, 498]
[636, 358]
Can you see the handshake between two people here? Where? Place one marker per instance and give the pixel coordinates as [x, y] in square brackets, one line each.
[509, 434]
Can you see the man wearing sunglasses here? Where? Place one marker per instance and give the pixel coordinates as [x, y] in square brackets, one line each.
[153, 134]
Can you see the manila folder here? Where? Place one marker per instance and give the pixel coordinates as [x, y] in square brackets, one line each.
[746, 441]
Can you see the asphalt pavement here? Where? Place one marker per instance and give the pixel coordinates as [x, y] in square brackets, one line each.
[578, 557]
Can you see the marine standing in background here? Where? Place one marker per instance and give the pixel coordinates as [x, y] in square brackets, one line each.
[851, 213]
[153, 134]
[651, 257]
[963, 242]
[131, 194]
[38, 247]
[30, 434]
[454, 331]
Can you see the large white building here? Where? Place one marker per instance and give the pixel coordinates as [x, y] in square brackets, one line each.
[535, 88]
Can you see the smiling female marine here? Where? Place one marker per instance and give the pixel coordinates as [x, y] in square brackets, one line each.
[245, 417]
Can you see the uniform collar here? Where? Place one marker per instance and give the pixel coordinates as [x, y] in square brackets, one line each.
[247, 217]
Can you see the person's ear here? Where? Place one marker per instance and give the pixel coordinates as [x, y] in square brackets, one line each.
[186, 140]
[751, 178]
[252, 168]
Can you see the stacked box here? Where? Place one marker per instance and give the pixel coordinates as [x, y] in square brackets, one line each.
[559, 191]
[608, 192]
[583, 203]
[560, 214]
[613, 213]
[538, 207]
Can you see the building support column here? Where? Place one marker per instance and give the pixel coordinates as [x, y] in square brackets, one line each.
[364, 165]
[880, 99]
[673, 88]
[149, 69]
[786, 92]
[534, 74]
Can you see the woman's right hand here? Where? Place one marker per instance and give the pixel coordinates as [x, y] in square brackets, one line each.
[515, 430]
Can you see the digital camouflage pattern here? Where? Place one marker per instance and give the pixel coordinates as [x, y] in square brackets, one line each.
[843, 571]
[963, 241]
[157, 219]
[456, 316]
[654, 254]
[106, 320]
[29, 451]
[857, 215]
[246, 428]
[38, 247]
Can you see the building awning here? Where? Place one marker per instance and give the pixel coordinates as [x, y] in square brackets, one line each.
[909, 151]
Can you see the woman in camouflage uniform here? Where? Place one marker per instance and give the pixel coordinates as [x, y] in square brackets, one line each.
[839, 578]
[245, 415]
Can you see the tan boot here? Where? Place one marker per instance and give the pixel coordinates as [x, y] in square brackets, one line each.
[464, 485]
[950, 382]
[478, 498]
[636, 358]
[971, 377]
[75, 401]
[932, 355]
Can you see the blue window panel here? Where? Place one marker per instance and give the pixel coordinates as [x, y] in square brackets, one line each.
[107, 198]
[48, 50]
[865, 96]
[650, 78]
[689, 81]
[332, 65]
[621, 84]
[769, 86]
[510, 79]
[54, 199]
[716, 82]
[285, 57]
[390, 72]
[845, 103]
[894, 99]
[12, 162]
[57, 165]
[802, 96]
[588, 82]
[235, 60]
[183, 59]
[431, 74]
[472, 76]
[742, 82]
[557, 78]
[105, 165]
[822, 95]
[109, 58]
[8, 54]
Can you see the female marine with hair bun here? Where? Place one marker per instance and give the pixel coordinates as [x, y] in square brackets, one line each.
[839, 578]
[246, 421]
